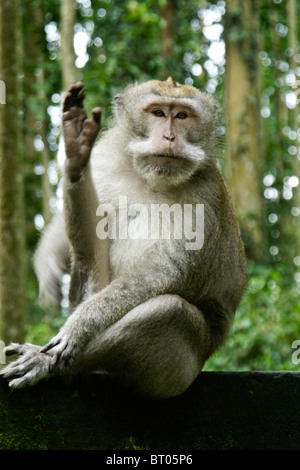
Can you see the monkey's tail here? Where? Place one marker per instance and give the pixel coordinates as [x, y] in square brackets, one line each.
[51, 260]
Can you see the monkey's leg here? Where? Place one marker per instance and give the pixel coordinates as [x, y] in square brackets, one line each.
[156, 349]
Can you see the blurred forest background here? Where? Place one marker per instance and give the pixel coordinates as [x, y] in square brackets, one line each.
[244, 53]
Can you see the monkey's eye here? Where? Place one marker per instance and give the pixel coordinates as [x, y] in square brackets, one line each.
[158, 113]
[181, 115]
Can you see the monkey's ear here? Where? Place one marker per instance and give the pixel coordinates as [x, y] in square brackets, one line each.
[218, 108]
[117, 98]
[118, 104]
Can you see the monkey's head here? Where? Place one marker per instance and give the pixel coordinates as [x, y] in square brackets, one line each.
[168, 128]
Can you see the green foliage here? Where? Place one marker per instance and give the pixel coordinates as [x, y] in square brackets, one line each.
[41, 333]
[42, 322]
[265, 325]
[133, 51]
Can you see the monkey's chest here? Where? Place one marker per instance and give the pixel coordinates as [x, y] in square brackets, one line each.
[130, 241]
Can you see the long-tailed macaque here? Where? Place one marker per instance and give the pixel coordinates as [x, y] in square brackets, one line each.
[149, 306]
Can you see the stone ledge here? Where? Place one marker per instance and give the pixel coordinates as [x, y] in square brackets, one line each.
[220, 411]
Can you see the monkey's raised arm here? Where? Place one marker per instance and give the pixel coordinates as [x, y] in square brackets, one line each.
[80, 197]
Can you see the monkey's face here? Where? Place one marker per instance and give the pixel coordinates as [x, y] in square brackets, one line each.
[170, 136]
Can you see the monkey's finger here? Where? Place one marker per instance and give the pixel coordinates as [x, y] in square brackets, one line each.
[16, 348]
[96, 112]
[10, 374]
[18, 383]
[60, 352]
[87, 139]
[60, 349]
[72, 101]
[48, 347]
[54, 342]
[90, 130]
[74, 97]
[16, 368]
[31, 377]
[12, 348]
[68, 355]
[75, 88]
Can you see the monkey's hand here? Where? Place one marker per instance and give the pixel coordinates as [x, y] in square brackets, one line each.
[29, 368]
[80, 133]
[64, 348]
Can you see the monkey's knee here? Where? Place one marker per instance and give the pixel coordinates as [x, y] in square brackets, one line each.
[157, 373]
[154, 349]
[172, 378]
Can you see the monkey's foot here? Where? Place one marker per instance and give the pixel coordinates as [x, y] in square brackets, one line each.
[29, 368]
[80, 133]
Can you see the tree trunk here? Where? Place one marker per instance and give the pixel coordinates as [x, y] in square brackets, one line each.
[242, 107]
[292, 19]
[67, 20]
[45, 153]
[43, 100]
[280, 109]
[35, 109]
[167, 12]
[12, 239]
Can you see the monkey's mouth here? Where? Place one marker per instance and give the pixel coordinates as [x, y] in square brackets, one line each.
[165, 155]
[166, 160]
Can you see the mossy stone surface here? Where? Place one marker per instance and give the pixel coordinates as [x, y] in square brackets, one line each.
[220, 411]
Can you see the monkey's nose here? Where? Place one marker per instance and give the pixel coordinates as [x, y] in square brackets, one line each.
[169, 136]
